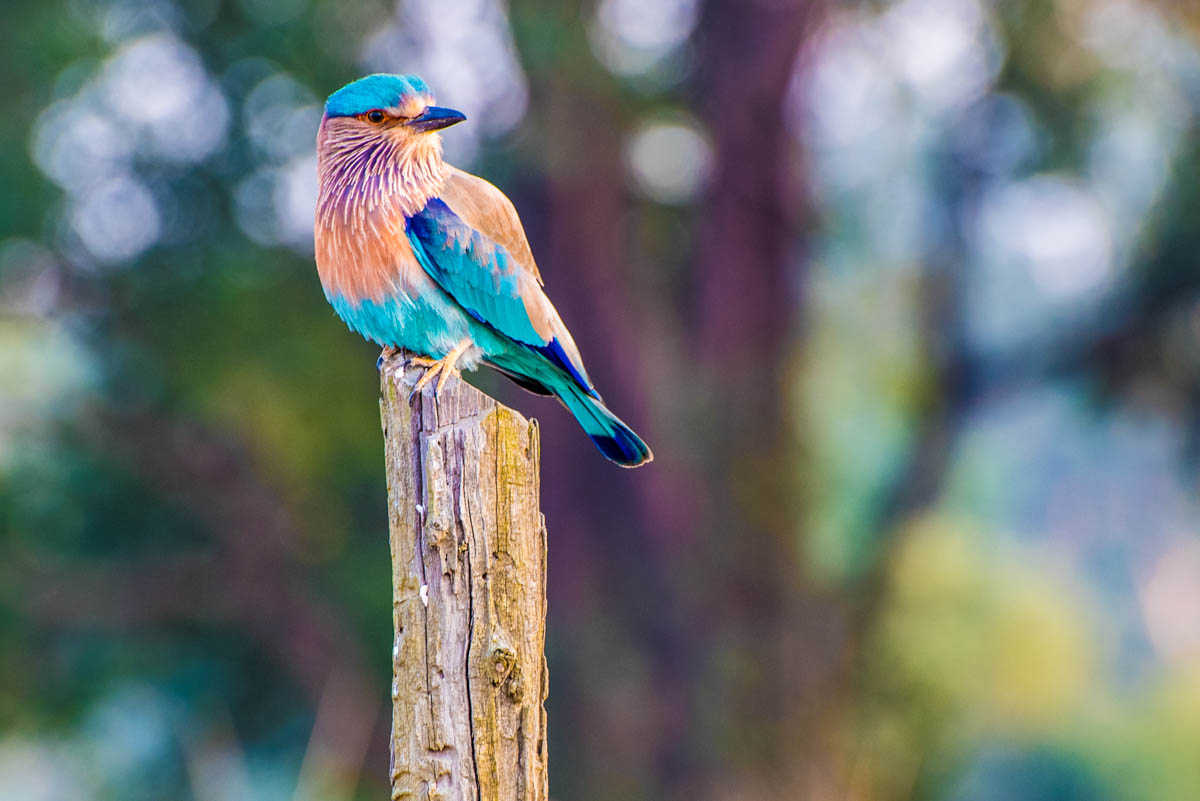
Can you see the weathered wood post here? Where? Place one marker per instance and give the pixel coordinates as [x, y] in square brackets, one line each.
[468, 548]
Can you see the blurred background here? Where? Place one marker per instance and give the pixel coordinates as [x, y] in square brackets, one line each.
[904, 295]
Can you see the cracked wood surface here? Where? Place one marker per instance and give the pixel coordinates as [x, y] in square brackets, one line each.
[468, 546]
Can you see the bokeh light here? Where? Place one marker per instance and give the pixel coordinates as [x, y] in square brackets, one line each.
[669, 159]
[159, 83]
[1045, 238]
[464, 50]
[117, 219]
[631, 37]
[151, 100]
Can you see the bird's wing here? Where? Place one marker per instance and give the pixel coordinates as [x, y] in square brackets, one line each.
[491, 285]
[488, 210]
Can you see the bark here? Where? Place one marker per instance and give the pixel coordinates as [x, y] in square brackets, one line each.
[468, 549]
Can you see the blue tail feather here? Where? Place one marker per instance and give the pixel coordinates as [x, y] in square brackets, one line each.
[540, 373]
[616, 441]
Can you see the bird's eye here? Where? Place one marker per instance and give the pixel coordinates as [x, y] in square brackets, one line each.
[375, 116]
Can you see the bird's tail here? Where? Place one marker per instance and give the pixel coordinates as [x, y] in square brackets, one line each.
[614, 439]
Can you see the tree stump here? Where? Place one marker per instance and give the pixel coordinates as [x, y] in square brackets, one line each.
[468, 545]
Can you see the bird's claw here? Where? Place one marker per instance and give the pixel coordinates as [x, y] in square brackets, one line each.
[437, 367]
[385, 354]
[433, 367]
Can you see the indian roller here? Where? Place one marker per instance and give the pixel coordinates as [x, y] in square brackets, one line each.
[414, 253]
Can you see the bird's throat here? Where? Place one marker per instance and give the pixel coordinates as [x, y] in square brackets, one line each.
[362, 177]
[369, 186]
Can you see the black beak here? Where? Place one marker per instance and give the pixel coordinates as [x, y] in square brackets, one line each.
[435, 118]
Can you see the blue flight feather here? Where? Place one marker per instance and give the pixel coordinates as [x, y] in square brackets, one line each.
[555, 353]
[484, 279]
[475, 271]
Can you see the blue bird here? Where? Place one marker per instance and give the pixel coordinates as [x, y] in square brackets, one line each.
[414, 253]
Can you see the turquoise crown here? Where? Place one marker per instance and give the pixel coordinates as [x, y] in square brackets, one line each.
[374, 91]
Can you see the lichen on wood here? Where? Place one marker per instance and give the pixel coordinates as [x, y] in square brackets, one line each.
[468, 545]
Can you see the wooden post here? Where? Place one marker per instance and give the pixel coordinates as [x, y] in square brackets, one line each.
[468, 545]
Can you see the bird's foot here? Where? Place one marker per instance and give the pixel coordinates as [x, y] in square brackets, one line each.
[440, 368]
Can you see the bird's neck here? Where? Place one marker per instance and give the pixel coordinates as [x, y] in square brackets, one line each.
[365, 176]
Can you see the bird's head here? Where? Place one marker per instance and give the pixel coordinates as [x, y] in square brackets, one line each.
[379, 134]
[399, 107]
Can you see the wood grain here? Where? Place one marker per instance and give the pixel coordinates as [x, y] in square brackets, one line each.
[468, 545]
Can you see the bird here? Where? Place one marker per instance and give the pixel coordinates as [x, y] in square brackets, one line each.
[418, 255]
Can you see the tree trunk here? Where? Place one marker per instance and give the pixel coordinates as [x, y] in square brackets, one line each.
[468, 549]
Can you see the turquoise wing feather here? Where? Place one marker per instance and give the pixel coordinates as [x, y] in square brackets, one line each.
[475, 271]
[487, 282]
